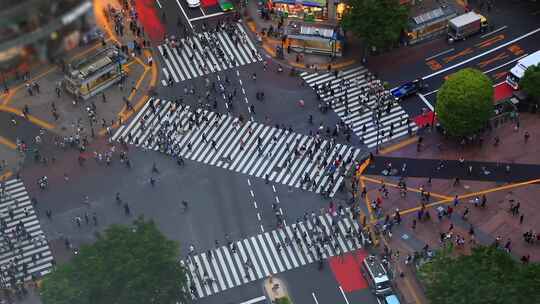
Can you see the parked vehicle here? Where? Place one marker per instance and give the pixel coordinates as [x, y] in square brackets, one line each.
[466, 25]
[407, 89]
[517, 72]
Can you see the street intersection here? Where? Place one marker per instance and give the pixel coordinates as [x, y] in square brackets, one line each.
[268, 179]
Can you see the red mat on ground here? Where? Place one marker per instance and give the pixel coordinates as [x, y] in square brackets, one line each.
[150, 20]
[207, 3]
[424, 119]
[346, 269]
[502, 91]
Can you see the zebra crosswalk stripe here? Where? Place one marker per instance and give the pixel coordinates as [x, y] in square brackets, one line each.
[250, 148]
[16, 208]
[192, 59]
[359, 114]
[226, 268]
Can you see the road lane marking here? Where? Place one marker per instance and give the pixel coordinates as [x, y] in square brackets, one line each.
[482, 54]
[504, 64]
[184, 13]
[254, 300]
[314, 298]
[486, 72]
[343, 294]
[207, 16]
[494, 31]
[159, 4]
[428, 104]
[440, 54]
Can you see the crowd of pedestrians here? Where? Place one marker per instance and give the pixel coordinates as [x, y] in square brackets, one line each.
[373, 98]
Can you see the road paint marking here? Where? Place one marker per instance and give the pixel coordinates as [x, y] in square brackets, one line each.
[251, 192]
[486, 72]
[482, 54]
[494, 31]
[249, 182]
[277, 199]
[255, 204]
[280, 211]
[440, 54]
[274, 188]
[240, 80]
[243, 91]
[428, 104]
[468, 195]
[159, 4]
[184, 13]
[207, 16]
[398, 145]
[314, 298]
[343, 294]
[258, 216]
[254, 300]
[504, 64]
[238, 73]
[262, 229]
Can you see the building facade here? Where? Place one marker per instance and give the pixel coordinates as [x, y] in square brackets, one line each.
[39, 31]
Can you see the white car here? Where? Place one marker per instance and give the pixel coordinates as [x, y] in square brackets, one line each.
[193, 3]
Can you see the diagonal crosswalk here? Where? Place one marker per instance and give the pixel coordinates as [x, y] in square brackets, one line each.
[24, 249]
[207, 52]
[315, 163]
[348, 94]
[272, 252]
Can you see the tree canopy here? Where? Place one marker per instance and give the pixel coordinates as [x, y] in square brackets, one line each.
[487, 276]
[465, 102]
[135, 264]
[378, 22]
[530, 83]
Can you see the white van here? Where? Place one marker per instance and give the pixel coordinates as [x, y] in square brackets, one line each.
[376, 275]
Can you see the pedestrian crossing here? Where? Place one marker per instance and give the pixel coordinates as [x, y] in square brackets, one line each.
[358, 109]
[278, 155]
[272, 252]
[24, 249]
[207, 52]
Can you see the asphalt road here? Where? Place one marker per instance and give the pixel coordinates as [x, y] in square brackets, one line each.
[517, 33]
[450, 169]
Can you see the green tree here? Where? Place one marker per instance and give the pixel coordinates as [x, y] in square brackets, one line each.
[132, 265]
[465, 102]
[487, 276]
[378, 22]
[530, 83]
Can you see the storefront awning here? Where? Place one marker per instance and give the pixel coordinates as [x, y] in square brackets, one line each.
[316, 3]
